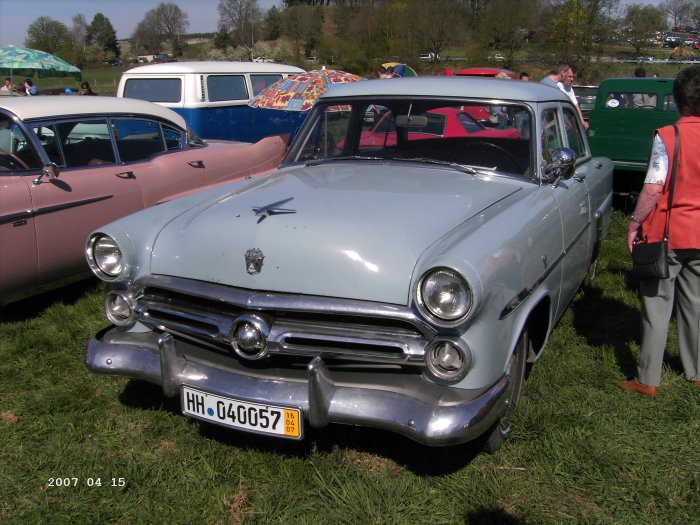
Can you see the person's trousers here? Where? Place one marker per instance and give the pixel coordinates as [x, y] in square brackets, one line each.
[657, 298]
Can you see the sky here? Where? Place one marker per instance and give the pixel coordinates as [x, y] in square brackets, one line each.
[16, 15]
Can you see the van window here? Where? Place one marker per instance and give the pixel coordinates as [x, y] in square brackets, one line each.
[670, 103]
[137, 139]
[630, 100]
[226, 87]
[260, 82]
[154, 89]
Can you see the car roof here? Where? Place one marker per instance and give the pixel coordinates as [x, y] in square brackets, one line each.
[48, 106]
[212, 66]
[449, 86]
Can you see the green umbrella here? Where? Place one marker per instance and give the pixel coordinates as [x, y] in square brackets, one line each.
[26, 62]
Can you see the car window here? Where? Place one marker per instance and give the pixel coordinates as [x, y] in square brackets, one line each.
[154, 89]
[630, 100]
[328, 137]
[85, 142]
[551, 138]
[573, 132]
[173, 138]
[226, 87]
[260, 82]
[137, 139]
[48, 136]
[16, 152]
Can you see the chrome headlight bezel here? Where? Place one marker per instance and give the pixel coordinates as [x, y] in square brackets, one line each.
[119, 308]
[447, 360]
[457, 288]
[105, 257]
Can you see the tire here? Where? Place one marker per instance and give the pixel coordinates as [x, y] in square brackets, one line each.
[496, 436]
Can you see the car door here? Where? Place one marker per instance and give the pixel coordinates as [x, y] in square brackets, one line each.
[156, 156]
[19, 165]
[573, 201]
[92, 189]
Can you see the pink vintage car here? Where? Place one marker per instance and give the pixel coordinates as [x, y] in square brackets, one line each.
[70, 164]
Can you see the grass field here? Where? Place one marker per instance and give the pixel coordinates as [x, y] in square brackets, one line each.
[77, 448]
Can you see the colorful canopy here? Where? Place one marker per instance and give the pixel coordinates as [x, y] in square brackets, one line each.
[299, 91]
[401, 70]
[22, 61]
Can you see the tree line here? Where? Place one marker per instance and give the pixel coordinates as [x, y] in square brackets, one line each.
[356, 33]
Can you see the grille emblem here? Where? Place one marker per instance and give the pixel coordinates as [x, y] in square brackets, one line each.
[254, 261]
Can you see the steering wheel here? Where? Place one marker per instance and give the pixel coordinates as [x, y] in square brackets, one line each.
[476, 150]
[14, 159]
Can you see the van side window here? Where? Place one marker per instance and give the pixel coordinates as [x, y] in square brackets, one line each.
[260, 82]
[137, 139]
[669, 103]
[154, 89]
[629, 100]
[226, 87]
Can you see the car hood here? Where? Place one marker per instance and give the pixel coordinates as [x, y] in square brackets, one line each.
[345, 230]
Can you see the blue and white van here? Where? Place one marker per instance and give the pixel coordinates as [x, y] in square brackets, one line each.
[213, 96]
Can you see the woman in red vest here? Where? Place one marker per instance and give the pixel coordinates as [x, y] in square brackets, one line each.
[647, 225]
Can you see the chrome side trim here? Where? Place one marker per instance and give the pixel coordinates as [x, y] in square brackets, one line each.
[521, 296]
[29, 214]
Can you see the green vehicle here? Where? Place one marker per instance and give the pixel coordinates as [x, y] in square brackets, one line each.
[625, 115]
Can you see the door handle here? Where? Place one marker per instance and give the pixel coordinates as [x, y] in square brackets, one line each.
[126, 175]
[196, 163]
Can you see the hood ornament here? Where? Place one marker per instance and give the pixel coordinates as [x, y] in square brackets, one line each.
[272, 209]
[254, 261]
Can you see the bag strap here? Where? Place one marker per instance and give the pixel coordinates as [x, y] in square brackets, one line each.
[672, 182]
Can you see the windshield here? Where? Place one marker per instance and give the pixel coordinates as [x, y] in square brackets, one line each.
[478, 134]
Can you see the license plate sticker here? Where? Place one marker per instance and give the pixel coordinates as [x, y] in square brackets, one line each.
[242, 415]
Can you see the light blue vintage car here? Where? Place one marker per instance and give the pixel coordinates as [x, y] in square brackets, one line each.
[394, 273]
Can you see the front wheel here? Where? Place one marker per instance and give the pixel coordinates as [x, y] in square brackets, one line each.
[496, 436]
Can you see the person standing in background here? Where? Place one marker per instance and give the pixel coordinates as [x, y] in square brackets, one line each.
[647, 224]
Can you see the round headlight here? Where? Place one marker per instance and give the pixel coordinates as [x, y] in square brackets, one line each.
[445, 295]
[104, 257]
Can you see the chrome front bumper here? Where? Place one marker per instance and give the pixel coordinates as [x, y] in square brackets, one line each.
[406, 404]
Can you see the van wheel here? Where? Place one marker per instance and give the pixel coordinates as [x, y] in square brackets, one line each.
[496, 436]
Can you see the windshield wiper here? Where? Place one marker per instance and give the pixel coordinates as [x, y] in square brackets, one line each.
[459, 167]
[316, 162]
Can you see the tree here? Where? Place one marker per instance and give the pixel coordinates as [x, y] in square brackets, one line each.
[79, 31]
[240, 17]
[506, 25]
[437, 24]
[102, 33]
[222, 39]
[47, 34]
[144, 41]
[168, 22]
[273, 24]
[641, 23]
[677, 10]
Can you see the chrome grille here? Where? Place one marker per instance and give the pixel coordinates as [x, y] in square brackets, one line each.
[299, 325]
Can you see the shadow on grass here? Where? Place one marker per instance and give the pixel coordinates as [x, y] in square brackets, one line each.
[491, 516]
[421, 460]
[606, 321]
[35, 306]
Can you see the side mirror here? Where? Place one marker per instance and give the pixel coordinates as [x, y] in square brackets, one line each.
[50, 171]
[563, 165]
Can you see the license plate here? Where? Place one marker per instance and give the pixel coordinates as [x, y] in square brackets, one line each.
[242, 415]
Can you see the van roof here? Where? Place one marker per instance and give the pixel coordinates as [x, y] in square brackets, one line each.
[211, 66]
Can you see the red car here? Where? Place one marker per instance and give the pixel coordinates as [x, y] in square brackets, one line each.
[70, 164]
[441, 122]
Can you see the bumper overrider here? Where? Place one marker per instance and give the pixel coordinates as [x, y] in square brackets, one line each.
[409, 405]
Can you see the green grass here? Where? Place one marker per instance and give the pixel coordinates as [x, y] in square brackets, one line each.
[583, 451]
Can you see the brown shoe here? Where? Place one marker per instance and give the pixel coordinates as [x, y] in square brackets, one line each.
[635, 386]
